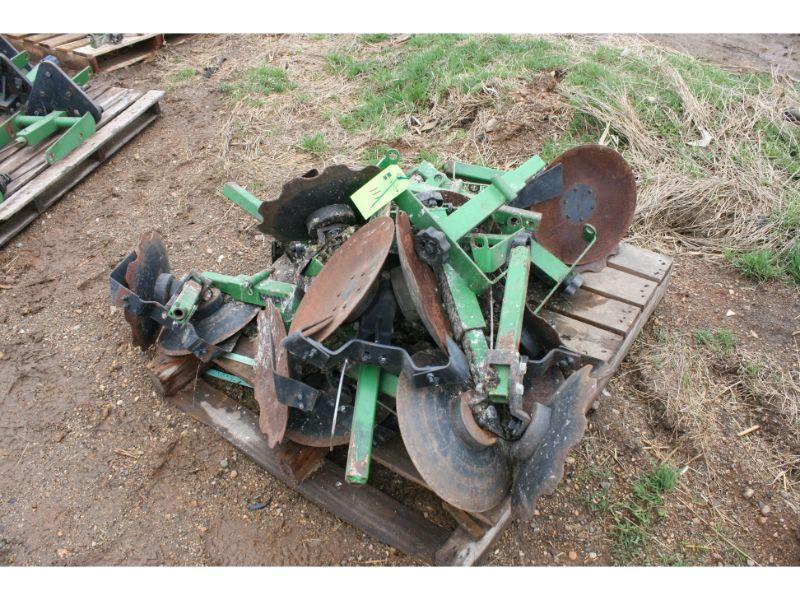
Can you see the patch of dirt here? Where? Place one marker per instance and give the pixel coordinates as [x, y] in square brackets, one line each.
[742, 51]
[97, 470]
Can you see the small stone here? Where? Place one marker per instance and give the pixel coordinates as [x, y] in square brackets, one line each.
[730, 313]
[570, 460]
[596, 405]
[60, 534]
[62, 552]
[762, 520]
[766, 509]
[592, 555]
[223, 463]
[234, 474]
[573, 555]
[606, 485]
[748, 493]
[120, 403]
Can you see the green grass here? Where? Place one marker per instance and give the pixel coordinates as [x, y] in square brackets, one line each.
[720, 341]
[258, 82]
[632, 518]
[374, 38]
[314, 144]
[428, 67]
[180, 77]
[761, 264]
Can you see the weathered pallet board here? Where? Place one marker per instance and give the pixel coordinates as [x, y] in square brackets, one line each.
[74, 51]
[35, 185]
[602, 319]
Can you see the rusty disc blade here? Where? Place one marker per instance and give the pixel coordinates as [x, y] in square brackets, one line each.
[599, 189]
[141, 274]
[421, 283]
[344, 281]
[450, 452]
[541, 473]
[270, 358]
[285, 217]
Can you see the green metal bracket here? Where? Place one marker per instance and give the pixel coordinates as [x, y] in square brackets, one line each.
[20, 60]
[359, 453]
[489, 251]
[512, 311]
[590, 236]
[28, 130]
[186, 302]
[257, 289]
[468, 172]
[244, 199]
[82, 77]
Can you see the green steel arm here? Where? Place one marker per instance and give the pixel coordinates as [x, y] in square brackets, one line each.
[474, 173]
[359, 453]
[244, 199]
[509, 328]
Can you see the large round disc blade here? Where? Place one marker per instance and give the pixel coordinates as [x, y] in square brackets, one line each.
[421, 284]
[344, 281]
[599, 189]
[141, 274]
[470, 474]
[285, 217]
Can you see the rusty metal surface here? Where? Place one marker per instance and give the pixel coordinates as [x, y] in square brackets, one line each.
[270, 358]
[285, 217]
[231, 318]
[421, 283]
[462, 470]
[541, 473]
[345, 280]
[606, 173]
[141, 274]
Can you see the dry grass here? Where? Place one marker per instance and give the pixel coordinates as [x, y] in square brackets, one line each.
[721, 196]
[707, 399]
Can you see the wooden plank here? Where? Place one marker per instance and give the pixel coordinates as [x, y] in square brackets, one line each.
[40, 37]
[619, 285]
[300, 461]
[460, 550]
[78, 43]
[584, 338]
[594, 309]
[465, 521]
[56, 41]
[126, 43]
[639, 261]
[392, 455]
[364, 507]
[61, 169]
[605, 372]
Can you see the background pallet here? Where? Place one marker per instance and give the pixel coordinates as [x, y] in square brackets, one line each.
[74, 51]
[35, 185]
[602, 320]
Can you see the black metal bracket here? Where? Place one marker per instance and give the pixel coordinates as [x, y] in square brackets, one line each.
[391, 358]
[544, 186]
[54, 90]
[14, 86]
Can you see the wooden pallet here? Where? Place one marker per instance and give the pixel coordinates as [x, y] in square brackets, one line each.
[602, 320]
[74, 51]
[35, 185]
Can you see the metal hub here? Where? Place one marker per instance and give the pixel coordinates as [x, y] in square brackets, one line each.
[599, 189]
